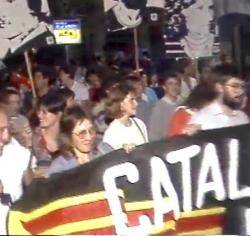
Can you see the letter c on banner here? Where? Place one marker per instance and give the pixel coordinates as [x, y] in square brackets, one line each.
[131, 172]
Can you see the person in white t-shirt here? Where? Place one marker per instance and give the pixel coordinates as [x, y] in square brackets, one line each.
[14, 162]
[80, 90]
[125, 131]
[225, 111]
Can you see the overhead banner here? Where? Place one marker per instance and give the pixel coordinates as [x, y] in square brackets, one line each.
[189, 25]
[125, 14]
[24, 24]
[185, 185]
[190, 28]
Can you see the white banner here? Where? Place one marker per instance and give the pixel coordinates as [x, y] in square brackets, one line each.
[19, 23]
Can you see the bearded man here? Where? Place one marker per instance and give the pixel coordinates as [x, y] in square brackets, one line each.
[225, 111]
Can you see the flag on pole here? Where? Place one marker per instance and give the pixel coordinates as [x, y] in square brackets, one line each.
[24, 24]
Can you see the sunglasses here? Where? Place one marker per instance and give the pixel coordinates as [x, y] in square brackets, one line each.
[82, 134]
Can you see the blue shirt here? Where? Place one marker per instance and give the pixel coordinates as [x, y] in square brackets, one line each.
[61, 163]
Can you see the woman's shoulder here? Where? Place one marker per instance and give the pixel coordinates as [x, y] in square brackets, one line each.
[114, 124]
[138, 121]
[61, 164]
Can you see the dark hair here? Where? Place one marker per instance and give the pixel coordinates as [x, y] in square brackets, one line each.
[118, 94]
[168, 75]
[53, 102]
[5, 93]
[90, 72]
[181, 64]
[201, 95]
[66, 93]
[43, 71]
[222, 73]
[68, 122]
[132, 78]
[68, 70]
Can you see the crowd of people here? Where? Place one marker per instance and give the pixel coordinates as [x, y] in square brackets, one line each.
[80, 114]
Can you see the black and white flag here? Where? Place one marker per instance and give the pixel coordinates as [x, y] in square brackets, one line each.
[190, 28]
[189, 25]
[23, 23]
[125, 14]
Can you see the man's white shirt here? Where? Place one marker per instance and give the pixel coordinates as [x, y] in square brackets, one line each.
[213, 117]
[81, 91]
[14, 162]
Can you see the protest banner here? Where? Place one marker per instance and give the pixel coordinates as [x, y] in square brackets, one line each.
[185, 185]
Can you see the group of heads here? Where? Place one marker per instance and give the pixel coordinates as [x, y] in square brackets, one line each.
[54, 108]
[77, 130]
[17, 125]
[222, 82]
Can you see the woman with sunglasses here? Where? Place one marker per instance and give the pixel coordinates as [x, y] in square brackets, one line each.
[77, 141]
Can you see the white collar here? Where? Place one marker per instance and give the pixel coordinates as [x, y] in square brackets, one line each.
[169, 101]
[216, 109]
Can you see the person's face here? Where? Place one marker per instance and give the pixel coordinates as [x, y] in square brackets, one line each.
[129, 105]
[144, 79]
[154, 80]
[83, 136]
[25, 136]
[233, 92]
[39, 79]
[46, 118]
[172, 87]
[4, 131]
[139, 89]
[95, 81]
[64, 78]
[206, 72]
[13, 105]
[190, 69]
[70, 102]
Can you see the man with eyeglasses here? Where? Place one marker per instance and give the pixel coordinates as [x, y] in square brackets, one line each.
[225, 111]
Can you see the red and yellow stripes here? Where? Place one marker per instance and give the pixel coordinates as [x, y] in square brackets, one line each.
[67, 215]
[90, 214]
[206, 221]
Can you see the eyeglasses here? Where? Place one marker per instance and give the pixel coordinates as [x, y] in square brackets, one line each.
[237, 85]
[82, 134]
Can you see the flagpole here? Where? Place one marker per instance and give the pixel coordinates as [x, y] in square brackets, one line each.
[137, 63]
[196, 64]
[28, 65]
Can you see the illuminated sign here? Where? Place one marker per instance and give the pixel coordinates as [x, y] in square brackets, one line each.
[67, 31]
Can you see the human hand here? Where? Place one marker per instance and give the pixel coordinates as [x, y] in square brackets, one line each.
[128, 148]
[192, 129]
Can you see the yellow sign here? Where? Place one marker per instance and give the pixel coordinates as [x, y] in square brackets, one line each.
[67, 31]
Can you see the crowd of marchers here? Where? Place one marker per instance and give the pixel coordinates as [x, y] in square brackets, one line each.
[78, 113]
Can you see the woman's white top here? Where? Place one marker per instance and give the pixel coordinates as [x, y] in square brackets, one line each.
[117, 134]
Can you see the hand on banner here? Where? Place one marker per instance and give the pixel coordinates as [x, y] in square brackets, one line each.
[128, 148]
[192, 129]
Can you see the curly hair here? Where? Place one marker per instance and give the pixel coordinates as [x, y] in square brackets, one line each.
[115, 97]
